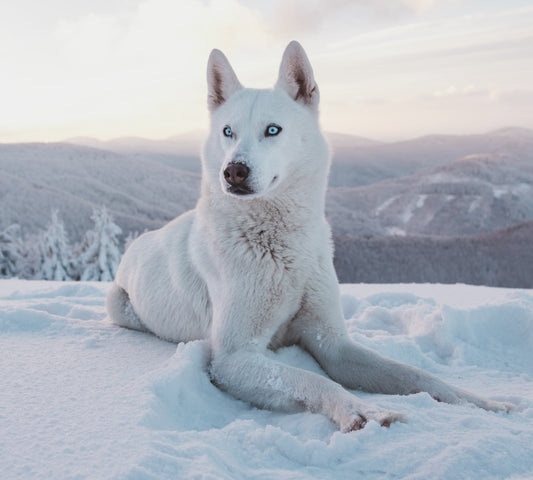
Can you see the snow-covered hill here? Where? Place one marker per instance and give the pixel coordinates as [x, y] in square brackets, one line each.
[144, 183]
[471, 195]
[82, 398]
[185, 145]
[139, 192]
[438, 186]
[367, 164]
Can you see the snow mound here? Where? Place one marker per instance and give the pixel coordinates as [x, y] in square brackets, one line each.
[82, 398]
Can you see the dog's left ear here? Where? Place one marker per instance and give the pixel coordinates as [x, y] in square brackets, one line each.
[221, 80]
[296, 76]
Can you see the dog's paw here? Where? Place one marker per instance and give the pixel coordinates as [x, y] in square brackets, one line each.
[451, 395]
[384, 418]
[489, 405]
[493, 406]
[356, 422]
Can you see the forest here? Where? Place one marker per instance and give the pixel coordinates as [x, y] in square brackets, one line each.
[49, 255]
[498, 259]
[502, 259]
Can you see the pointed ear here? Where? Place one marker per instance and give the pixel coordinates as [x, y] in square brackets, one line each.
[296, 76]
[221, 80]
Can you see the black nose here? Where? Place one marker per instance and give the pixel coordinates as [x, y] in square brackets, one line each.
[236, 173]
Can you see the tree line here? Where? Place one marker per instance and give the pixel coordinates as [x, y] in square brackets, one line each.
[498, 259]
[48, 255]
[502, 259]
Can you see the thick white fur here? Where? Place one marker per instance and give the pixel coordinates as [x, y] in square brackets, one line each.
[253, 272]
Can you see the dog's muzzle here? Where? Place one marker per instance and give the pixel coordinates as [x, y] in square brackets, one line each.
[236, 176]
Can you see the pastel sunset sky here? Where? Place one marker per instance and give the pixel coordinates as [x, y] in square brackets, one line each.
[387, 69]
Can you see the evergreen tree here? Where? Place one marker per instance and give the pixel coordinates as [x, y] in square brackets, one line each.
[100, 255]
[29, 263]
[55, 252]
[10, 251]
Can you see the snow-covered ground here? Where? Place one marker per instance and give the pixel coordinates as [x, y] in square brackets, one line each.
[81, 398]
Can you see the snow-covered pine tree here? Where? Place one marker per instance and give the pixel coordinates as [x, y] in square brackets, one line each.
[100, 255]
[29, 262]
[55, 252]
[10, 251]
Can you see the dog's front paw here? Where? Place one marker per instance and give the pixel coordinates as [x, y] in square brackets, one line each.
[353, 423]
[384, 418]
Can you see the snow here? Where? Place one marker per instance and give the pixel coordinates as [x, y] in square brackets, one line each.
[81, 398]
[386, 204]
[418, 202]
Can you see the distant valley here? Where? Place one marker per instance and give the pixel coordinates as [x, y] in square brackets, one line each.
[433, 187]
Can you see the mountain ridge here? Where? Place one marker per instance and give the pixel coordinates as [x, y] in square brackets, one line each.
[383, 201]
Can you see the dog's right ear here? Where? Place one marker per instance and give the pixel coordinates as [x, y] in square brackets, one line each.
[221, 80]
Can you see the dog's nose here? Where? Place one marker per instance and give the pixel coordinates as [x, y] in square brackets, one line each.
[236, 173]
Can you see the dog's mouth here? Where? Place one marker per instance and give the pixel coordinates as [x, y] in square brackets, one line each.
[240, 190]
[244, 189]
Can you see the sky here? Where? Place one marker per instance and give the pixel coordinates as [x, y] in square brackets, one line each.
[386, 69]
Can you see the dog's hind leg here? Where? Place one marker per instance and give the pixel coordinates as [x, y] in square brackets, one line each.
[120, 309]
[323, 334]
[357, 367]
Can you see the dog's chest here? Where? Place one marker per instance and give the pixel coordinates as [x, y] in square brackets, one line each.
[268, 244]
[267, 250]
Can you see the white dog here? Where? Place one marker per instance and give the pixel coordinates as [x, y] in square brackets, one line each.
[251, 267]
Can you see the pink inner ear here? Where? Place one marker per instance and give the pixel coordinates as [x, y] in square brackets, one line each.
[221, 79]
[296, 76]
[216, 96]
[305, 90]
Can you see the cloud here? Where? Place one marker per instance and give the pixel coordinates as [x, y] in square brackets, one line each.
[468, 90]
[140, 69]
[308, 16]
[126, 72]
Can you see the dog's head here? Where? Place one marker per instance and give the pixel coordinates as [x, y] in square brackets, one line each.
[260, 139]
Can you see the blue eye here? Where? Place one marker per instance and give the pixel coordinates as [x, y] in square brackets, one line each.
[227, 131]
[272, 130]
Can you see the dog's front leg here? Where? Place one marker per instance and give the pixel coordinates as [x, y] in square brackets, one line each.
[242, 367]
[253, 377]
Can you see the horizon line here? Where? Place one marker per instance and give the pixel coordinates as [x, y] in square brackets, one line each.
[197, 133]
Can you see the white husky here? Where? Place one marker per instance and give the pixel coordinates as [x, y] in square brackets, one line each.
[251, 267]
